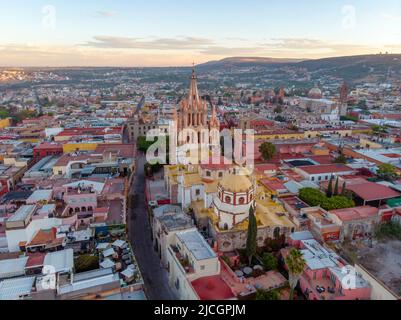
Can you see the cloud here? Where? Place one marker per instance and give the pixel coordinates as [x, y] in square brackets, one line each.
[109, 42]
[232, 51]
[314, 47]
[16, 55]
[174, 51]
[391, 17]
[105, 14]
[276, 47]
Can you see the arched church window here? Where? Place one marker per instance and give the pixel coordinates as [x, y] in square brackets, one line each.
[276, 233]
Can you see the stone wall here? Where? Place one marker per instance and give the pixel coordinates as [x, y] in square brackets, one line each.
[228, 241]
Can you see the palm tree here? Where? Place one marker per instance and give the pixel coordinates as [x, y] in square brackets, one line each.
[296, 265]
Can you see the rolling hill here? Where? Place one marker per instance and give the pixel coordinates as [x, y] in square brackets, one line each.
[355, 69]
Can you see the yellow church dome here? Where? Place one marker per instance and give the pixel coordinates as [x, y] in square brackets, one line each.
[236, 183]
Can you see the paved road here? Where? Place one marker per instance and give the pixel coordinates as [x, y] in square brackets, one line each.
[155, 277]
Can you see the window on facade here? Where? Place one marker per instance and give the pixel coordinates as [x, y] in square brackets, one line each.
[220, 174]
[241, 200]
[177, 284]
[202, 267]
[208, 174]
[228, 199]
[276, 233]
[313, 179]
[197, 192]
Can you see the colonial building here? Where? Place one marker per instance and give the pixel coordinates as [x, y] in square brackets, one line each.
[234, 201]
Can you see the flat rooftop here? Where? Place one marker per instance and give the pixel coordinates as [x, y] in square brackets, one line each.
[172, 217]
[196, 244]
[212, 288]
[13, 289]
[40, 195]
[22, 213]
[318, 257]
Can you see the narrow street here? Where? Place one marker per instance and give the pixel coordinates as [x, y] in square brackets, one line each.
[155, 277]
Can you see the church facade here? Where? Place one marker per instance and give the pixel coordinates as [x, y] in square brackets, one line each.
[191, 117]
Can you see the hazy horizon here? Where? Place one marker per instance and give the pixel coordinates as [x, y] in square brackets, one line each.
[157, 33]
[181, 66]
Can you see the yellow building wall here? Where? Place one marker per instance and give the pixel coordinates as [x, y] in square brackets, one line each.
[61, 138]
[317, 133]
[59, 169]
[365, 143]
[4, 123]
[72, 147]
[320, 151]
[361, 131]
[283, 136]
[32, 140]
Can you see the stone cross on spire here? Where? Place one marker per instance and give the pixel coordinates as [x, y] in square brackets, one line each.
[194, 98]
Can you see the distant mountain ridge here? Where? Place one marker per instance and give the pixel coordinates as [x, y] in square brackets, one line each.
[353, 68]
[249, 60]
[325, 62]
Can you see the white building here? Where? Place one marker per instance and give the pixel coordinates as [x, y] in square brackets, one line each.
[320, 173]
[167, 221]
[190, 258]
[22, 228]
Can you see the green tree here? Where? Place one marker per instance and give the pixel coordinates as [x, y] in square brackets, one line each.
[278, 109]
[296, 265]
[4, 113]
[267, 295]
[341, 159]
[268, 150]
[387, 172]
[330, 187]
[315, 198]
[344, 189]
[378, 130]
[336, 188]
[388, 231]
[144, 145]
[362, 104]
[85, 263]
[337, 202]
[24, 114]
[280, 118]
[270, 262]
[251, 241]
